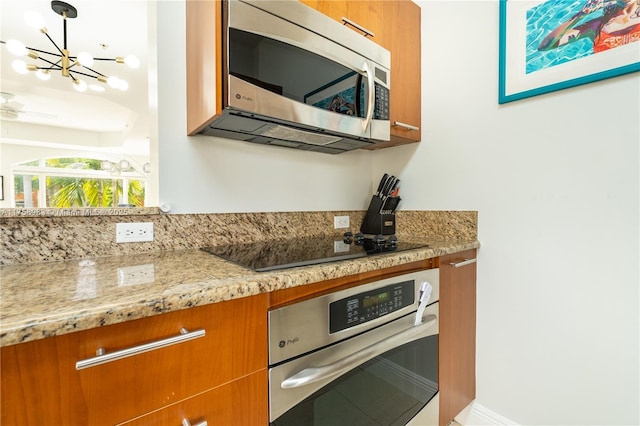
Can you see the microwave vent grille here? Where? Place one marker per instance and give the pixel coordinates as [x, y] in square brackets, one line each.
[297, 135]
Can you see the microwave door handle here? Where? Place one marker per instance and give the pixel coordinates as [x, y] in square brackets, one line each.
[314, 374]
[372, 98]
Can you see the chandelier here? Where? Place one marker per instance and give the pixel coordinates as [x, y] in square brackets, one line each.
[72, 66]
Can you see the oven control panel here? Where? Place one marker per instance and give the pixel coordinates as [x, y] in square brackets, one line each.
[366, 306]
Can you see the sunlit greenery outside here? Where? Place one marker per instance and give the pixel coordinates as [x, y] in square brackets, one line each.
[79, 191]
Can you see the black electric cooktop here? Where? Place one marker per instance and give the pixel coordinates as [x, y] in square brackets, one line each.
[264, 256]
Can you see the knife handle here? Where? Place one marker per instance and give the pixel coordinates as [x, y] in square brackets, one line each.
[386, 190]
[393, 187]
[381, 184]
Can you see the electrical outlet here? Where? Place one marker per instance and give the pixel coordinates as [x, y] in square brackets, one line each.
[340, 222]
[340, 247]
[134, 232]
[139, 274]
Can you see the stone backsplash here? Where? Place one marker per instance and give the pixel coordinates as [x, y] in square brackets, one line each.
[62, 234]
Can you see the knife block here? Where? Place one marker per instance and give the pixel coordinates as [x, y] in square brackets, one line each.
[375, 222]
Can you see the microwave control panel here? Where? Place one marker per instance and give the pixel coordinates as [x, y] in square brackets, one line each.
[366, 306]
[381, 110]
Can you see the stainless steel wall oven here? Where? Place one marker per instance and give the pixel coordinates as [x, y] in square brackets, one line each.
[367, 355]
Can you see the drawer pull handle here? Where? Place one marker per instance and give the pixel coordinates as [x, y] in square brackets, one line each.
[103, 358]
[405, 125]
[366, 32]
[186, 422]
[463, 263]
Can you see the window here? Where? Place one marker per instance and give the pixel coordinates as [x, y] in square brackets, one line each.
[77, 182]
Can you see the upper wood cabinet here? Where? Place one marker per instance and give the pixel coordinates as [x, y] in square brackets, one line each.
[364, 17]
[204, 55]
[402, 39]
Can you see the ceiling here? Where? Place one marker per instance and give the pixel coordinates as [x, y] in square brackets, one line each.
[103, 28]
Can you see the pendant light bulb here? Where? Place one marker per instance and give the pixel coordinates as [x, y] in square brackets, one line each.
[34, 20]
[123, 85]
[85, 59]
[113, 82]
[19, 66]
[43, 74]
[79, 85]
[16, 47]
[132, 61]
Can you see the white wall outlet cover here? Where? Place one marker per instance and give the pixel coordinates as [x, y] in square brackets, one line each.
[340, 222]
[134, 232]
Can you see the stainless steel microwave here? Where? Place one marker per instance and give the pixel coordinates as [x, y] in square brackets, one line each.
[296, 78]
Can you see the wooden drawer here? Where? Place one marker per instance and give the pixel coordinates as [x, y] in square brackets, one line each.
[242, 402]
[41, 385]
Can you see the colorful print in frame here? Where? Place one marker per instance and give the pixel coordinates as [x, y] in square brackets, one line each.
[556, 44]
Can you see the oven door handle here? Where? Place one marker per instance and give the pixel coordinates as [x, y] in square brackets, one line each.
[314, 374]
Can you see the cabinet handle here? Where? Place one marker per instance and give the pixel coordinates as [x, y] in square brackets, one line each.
[366, 32]
[463, 263]
[103, 358]
[406, 126]
[186, 422]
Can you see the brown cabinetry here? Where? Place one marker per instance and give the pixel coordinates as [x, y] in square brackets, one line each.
[42, 385]
[204, 56]
[239, 403]
[402, 39]
[457, 346]
[364, 17]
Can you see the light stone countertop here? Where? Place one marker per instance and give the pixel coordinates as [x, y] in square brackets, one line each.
[39, 300]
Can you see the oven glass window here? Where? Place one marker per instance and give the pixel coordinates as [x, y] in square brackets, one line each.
[296, 73]
[387, 390]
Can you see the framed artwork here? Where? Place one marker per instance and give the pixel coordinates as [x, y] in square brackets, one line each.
[551, 45]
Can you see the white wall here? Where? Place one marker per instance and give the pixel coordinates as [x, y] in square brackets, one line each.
[554, 178]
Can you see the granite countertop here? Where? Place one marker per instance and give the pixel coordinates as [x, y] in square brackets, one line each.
[46, 299]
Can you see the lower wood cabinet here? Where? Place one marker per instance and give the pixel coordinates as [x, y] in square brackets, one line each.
[457, 344]
[242, 402]
[42, 385]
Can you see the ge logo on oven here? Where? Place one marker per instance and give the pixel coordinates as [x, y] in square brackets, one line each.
[284, 343]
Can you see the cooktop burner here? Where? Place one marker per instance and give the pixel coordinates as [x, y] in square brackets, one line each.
[264, 256]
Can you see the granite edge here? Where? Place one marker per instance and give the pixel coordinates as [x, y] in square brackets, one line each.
[46, 326]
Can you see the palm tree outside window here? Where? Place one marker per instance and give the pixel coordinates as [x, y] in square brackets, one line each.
[76, 182]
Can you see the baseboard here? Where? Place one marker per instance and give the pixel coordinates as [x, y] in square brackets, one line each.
[478, 415]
